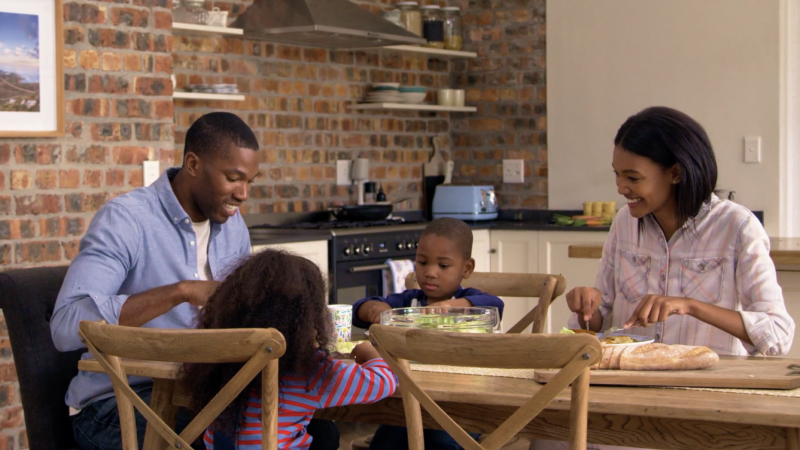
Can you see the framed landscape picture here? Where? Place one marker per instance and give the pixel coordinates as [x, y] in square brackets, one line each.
[31, 70]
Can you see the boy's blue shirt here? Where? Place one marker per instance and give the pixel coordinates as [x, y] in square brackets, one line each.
[404, 299]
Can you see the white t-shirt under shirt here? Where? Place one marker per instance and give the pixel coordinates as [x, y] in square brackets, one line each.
[202, 231]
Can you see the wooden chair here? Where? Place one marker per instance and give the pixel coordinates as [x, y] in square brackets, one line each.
[544, 286]
[259, 349]
[573, 354]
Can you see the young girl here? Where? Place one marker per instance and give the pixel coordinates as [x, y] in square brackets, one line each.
[273, 289]
[680, 264]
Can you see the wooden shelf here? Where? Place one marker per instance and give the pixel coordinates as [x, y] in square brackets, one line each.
[440, 53]
[190, 27]
[412, 107]
[207, 96]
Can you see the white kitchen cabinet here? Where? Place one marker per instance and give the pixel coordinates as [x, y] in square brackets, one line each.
[316, 251]
[481, 244]
[790, 283]
[516, 252]
[553, 258]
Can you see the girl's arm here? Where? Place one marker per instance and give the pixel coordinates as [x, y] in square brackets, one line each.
[351, 384]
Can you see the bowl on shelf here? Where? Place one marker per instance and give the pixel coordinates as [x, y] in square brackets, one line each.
[412, 94]
[444, 318]
[412, 97]
[385, 86]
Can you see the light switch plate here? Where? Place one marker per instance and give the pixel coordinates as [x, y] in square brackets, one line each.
[150, 172]
[343, 172]
[752, 149]
[513, 171]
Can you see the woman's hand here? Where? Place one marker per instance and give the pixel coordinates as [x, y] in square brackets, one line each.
[585, 301]
[656, 308]
[364, 352]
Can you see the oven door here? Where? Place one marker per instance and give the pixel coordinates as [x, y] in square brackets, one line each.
[359, 279]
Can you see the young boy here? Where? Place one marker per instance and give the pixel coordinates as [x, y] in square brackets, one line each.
[444, 258]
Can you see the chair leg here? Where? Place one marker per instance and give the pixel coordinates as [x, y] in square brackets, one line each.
[161, 404]
[579, 413]
[127, 418]
[413, 414]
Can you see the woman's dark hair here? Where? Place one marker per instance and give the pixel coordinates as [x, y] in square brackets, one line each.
[668, 137]
[271, 289]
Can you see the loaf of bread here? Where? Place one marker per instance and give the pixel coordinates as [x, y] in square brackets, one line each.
[657, 357]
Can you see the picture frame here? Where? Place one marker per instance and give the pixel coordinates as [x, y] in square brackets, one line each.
[31, 68]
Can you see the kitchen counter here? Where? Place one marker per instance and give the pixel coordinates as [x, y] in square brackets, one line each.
[528, 226]
[268, 237]
[784, 251]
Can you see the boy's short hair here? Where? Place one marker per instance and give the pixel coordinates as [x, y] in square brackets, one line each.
[453, 229]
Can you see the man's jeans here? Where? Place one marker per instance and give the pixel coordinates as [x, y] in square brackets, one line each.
[96, 427]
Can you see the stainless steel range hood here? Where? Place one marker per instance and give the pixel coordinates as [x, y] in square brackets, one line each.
[320, 23]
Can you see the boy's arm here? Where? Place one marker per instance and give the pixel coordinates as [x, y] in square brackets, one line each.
[368, 310]
[478, 298]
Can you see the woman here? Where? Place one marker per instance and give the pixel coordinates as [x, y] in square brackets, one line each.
[681, 265]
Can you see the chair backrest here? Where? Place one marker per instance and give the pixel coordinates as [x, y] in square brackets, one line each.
[27, 298]
[573, 354]
[546, 287]
[259, 349]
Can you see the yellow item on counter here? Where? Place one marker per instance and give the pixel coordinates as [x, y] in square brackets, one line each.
[587, 208]
[609, 209]
[597, 209]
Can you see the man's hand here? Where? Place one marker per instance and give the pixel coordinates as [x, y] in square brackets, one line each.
[656, 308]
[364, 352]
[198, 292]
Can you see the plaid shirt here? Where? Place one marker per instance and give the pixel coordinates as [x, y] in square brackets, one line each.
[721, 258]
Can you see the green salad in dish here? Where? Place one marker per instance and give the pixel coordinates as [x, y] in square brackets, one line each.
[345, 348]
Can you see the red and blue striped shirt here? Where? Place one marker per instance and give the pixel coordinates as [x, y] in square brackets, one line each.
[344, 384]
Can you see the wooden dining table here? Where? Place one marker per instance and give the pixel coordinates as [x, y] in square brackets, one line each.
[646, 417]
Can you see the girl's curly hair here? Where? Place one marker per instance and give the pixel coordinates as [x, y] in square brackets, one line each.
[271, 289]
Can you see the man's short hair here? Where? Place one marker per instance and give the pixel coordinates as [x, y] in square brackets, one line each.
[215, 133]
[455, 230]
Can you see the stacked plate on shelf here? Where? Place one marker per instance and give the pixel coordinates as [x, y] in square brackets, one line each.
[384, 93]
[214, 88]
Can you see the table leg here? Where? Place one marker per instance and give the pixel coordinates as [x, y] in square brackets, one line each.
[161, 404]
[793, 439]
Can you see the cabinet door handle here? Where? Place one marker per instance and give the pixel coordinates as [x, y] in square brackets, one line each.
[493, 250]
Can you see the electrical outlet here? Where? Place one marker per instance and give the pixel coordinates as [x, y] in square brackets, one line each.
[343, 172]
[513, 171]
[151, 170]
[752, 149]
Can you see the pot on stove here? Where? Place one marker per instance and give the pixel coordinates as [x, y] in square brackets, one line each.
[374, 211]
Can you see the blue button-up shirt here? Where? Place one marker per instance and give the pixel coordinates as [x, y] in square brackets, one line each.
[136, 242]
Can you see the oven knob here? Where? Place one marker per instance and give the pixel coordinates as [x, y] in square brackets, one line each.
[409, 245]
[401, 245]
[357, 250]
[367, 249]
[348, 251]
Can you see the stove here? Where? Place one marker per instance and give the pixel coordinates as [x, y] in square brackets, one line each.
[357, 251]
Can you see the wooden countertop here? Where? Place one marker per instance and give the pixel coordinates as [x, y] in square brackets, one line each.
[784, 251]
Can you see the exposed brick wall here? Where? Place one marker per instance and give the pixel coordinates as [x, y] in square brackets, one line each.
[118, 112]
[118, 58]
[297, 103]
[507, 83]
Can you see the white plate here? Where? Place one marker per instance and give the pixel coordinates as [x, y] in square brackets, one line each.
[640, 340]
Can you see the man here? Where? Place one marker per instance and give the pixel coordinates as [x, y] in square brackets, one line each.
[152, 257]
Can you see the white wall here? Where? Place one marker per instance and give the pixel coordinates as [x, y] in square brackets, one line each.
[717, 60]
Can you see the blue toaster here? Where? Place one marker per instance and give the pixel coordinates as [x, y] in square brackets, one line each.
[465, 202]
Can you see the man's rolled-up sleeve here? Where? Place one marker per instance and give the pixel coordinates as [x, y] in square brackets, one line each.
[90, 289]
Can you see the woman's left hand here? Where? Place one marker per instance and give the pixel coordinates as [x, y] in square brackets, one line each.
[656, 308]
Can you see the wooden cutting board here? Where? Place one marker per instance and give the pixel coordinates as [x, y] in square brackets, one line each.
[735, 372]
